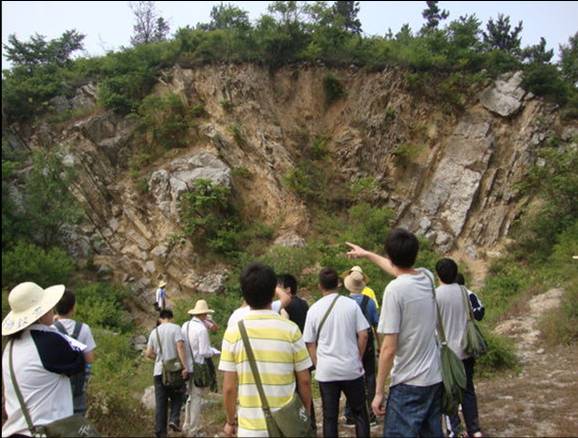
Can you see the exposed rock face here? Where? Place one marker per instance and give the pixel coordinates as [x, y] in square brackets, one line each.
[506, 96]
[459, 189]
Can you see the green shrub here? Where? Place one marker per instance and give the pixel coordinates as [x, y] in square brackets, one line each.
[499, 357]
[333, 88]
[407, 153]
[237, 132]
[167, 119]
[27, 262]
[560, 325]
[102, 305]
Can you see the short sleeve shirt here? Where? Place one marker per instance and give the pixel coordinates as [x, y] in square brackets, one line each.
[169, 335]
[337, 351]
[409, 310]
[454, 312]
[85, 335]
[370, 311]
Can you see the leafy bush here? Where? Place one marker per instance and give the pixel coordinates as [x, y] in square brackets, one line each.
[560, 325]
[500, 355]
[102, 305]
[27, 262]
[333, 88]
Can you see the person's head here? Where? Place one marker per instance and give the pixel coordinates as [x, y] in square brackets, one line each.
[460, 279]
[166, 315]
[401, 247]
[447, 270]
[287, 281]
[258, 282]
[66, 304]
[328, 279]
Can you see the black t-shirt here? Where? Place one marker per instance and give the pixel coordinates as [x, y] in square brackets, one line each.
[297, 310]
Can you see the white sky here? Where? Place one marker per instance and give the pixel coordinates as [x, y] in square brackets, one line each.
[108, 24]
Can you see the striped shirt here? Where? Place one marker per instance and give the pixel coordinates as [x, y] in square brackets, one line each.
[279, 352]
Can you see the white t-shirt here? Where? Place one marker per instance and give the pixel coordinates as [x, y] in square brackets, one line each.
[241, 312]
[197, 342]
[337, 351]
[454, 315]
[85, 335]
[169, 335]
[161, 297]
[409, 310]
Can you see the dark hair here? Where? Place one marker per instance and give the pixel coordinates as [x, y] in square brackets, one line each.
[460, 279]
[287, 280]
[66, 303]
[401, 247]
[447, 270]
[166, 314]
[258, 283]
[328, 279]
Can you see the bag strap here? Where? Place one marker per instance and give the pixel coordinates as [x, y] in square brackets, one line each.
[254, 370]
[364, 303]
[441, 332]
[189, 343]
[470, 311]
[325, 317]
[159, 341]
[31, 427]
[60, 327]
[77, 328]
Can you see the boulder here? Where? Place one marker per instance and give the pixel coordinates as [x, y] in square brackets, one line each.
[505, 97]
[148, 398]
[290, 240]
[85, 98]
[212, 282]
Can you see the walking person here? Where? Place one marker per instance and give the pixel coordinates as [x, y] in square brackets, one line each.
[199, 353]
[38, 358]
[477, 306]
[65, 324]
[451, 298]
[166, 342]
[336, 336]
[279, 354]
[408, 323]
[355, 284]
[161, 297]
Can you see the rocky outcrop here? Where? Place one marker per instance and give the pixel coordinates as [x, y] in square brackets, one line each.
[506, 96]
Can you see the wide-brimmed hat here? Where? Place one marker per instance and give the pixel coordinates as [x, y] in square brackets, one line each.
[29, 302]
[355, 269]
[354, 282]
[200, 308]
[162, 283]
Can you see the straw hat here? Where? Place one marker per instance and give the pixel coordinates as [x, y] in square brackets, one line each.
[201, 308]
[29, 302]
[356, 269]
[354, 282]
[162, 283]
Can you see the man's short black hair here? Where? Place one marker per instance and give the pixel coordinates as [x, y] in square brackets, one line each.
[287, 281]
[401, 247]
[66, 303]
[460, 279]
[166, 314]
[328, 279]
[447, 270]
[258, 282]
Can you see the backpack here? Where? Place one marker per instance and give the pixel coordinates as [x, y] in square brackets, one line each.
[77, 381]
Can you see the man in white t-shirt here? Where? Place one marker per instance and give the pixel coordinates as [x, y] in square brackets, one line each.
[452, 302]
[64, 323]
[336, 344]
[171, 346]
[408, 323]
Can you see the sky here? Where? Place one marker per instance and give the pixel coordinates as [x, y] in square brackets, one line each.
[108, 24]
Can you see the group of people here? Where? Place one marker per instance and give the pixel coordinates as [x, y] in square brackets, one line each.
[348, 344]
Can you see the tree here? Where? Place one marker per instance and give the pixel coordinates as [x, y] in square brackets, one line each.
[228, 17]
[348, 11]
[501, 36]
[569, 59]
[149, 27]
[537, 54]
[433, 15]
[38, 51]
[465, 32]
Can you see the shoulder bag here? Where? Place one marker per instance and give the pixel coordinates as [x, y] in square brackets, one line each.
[73, 426]
[290, 420]
[171, 369]
[453, 371]
[201, 373]
[473, 342]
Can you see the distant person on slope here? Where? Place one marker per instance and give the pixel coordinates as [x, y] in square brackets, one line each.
[161, 297]
[454, 315]
[64, 323]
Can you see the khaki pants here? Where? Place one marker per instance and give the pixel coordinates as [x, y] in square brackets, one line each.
[196, 395]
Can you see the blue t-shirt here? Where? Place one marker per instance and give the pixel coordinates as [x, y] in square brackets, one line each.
[371, 310]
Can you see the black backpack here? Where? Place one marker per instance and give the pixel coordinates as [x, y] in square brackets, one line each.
[76, 380]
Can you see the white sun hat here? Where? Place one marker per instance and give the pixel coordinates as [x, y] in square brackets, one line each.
[201, 308]
[354, 282]
[29, 302]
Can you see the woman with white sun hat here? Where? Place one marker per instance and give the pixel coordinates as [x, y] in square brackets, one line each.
[38, 359]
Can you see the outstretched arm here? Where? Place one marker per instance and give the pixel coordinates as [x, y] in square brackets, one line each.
[357, 251]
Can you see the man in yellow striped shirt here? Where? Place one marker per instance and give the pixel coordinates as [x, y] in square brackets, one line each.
[280, 354]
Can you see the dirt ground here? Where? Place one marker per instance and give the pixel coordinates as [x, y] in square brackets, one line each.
[539, 400]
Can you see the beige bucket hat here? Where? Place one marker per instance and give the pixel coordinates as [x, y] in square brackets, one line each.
[201, 308]
[29, 302]
[354, 282]
[355, 269]
[162, 283]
